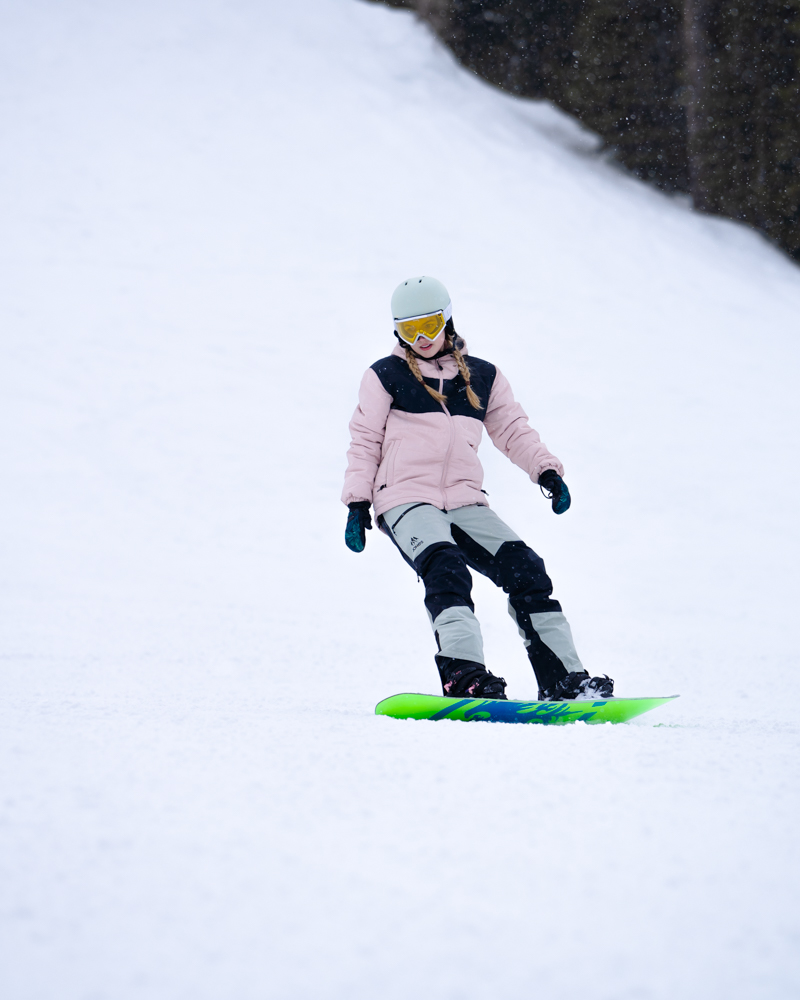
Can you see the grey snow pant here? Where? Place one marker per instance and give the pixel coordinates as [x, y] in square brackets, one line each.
[442, 546]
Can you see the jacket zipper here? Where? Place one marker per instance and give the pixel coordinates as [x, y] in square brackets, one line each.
[450, 445]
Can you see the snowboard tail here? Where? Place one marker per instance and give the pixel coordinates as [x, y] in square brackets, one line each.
[549, 713]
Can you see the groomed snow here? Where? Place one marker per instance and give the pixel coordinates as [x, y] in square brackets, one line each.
[205, 209]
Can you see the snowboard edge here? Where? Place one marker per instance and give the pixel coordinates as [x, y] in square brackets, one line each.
[437, 707]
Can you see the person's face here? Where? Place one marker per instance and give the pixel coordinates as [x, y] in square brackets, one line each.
[428, 348]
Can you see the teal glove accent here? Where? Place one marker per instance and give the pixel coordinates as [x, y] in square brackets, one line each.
[555, 489]
[358, 523]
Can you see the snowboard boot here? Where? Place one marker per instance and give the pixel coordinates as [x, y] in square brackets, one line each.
[467, 679]
[578, 685]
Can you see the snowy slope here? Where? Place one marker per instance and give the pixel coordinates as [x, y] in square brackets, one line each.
[205, 209]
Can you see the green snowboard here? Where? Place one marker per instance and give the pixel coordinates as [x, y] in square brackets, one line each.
[431, 706]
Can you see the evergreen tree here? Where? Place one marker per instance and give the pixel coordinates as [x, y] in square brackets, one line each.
[745, 148]
[624, 82]
[520, 45]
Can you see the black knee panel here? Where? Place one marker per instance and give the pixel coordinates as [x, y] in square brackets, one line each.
[447, 579]
[522, 576]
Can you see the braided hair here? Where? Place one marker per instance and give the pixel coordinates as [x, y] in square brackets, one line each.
[413, 364]
[472, 396]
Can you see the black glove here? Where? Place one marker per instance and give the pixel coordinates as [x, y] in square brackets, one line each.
[555, 489]
[358, 523]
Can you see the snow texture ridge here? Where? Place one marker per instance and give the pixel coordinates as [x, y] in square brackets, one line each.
[206, 207]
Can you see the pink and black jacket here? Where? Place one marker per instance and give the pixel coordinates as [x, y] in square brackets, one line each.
[407, 448]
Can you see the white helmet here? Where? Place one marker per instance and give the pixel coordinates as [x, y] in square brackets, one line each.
[420, 297]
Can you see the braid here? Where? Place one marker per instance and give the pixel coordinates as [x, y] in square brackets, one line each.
[474, 400]
[411, 359]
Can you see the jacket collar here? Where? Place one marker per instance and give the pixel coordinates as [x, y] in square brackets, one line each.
[442, 366]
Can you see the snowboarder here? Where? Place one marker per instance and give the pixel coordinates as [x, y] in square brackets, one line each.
[413, 457]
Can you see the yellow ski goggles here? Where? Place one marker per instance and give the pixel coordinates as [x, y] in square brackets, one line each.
[430, 326]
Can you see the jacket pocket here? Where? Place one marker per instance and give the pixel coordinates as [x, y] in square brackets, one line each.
[385, 476]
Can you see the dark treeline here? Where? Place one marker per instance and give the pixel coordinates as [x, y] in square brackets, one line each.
[698, 96]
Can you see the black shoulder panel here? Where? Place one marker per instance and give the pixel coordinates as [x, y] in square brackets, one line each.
[482, 375]
[407, 394]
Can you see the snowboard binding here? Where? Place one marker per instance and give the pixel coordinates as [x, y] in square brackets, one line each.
[466, 679]
[578, 685]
